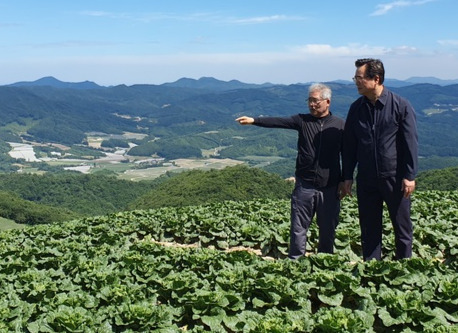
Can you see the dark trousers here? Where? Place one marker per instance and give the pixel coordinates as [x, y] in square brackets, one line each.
[371, 195]
[306, 201]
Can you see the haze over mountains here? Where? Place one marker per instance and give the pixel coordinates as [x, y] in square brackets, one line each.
[212, 83]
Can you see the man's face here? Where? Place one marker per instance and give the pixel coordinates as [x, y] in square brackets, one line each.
[364, 84]
[318, 107]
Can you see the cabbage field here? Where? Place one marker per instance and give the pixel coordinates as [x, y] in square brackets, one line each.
[222, 268]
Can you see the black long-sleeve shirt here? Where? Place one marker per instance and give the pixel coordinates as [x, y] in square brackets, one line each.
[381, 139]
[319, 146]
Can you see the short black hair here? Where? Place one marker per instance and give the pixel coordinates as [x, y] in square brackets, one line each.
[374, 67]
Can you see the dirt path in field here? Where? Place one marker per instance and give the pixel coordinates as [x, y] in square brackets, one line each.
[232, 249]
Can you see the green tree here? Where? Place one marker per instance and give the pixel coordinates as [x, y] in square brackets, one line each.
[22, 211]
[438, 179]
[113, 143]
[197, 187]
[88, 195]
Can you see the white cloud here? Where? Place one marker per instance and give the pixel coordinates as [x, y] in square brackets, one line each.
[448, 42]
[9, 25]
[267, 19]
[384, 8]
[403, 50]
[199, 16]
[124, 16]
[96, 13]
[76, 44]
[336, 51]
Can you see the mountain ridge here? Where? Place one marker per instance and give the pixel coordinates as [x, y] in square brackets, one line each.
[51, 81]
[211, 83]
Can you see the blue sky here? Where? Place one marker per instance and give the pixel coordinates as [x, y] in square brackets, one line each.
[130, 42]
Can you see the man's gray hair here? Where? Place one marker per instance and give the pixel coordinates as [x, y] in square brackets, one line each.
[325, 91]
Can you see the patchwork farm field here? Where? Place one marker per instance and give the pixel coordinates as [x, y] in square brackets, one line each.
[222, 268]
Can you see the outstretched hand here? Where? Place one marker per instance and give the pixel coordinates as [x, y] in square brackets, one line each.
[244, 120]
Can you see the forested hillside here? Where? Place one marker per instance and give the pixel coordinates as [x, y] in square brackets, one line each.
[21, 211]
[442, 179]
[85, 195]
[198, 187]
[37, 199]
[188, 117]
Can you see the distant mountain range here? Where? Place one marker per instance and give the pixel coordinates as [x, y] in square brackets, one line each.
[188, 116]
[50, 81]
[419, 80]
[215, 84]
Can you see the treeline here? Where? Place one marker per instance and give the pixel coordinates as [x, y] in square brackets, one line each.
[81, 195]
[266, 142]
[197, 187]
[186, 145]
[85, 195]
[56, 130]
[27, 212]
[6, 161]
[442, 180]
[36, 199]
[167, 148]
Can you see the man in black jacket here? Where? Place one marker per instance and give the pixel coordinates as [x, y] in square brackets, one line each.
[318, 171]
[381, 138]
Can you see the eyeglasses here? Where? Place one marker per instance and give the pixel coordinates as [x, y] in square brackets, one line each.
[314, 101]
[358, 78]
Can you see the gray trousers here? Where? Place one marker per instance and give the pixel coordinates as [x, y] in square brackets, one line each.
[306, 202]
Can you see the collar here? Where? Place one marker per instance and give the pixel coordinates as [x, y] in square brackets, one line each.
[318, 118]
[381, 99]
